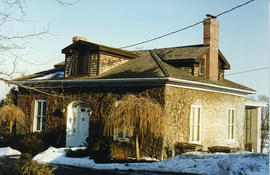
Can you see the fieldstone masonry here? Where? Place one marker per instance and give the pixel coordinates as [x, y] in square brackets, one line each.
[214, 105]
[108, 62]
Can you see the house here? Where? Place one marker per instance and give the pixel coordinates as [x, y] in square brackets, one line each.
[202, 107]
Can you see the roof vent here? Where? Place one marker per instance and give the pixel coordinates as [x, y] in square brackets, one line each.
[77, 38]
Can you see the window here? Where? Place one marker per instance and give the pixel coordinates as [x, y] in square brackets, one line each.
[84, 63]
[118, 102]
[231, 124]
[40, 115]
[121, 135]
[195, 124]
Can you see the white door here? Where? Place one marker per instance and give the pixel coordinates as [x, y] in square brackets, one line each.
[77, 125]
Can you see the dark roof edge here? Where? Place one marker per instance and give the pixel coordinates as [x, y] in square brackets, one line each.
[157, 59]
[146, 82]
[101, 47]
[195, 45]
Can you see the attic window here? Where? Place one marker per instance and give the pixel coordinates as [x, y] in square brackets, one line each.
[81, 61]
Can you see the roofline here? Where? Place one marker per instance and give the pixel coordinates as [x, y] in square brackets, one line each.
[227, 64]
[194, 45]
[252, 103]
[146, 82]
[212, 86]
[100, 47]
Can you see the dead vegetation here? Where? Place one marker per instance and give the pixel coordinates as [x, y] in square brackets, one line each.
[15, 116]
[138, 116]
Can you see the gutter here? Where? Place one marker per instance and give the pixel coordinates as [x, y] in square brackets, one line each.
[143, 81]
[210, 85]
[252, 103]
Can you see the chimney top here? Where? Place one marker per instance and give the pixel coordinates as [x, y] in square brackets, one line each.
[77, 38]
[210, 16]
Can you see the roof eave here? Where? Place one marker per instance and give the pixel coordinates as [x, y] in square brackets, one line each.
[143, 82]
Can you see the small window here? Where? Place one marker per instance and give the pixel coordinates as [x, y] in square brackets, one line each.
[195, 124]
[40, 115]
[118, 102]
[121, 135]
[231, 124]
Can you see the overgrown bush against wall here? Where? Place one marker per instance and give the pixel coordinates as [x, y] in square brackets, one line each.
[33, 143]
[143, 119]
[100, 101]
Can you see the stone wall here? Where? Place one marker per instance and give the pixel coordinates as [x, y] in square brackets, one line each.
[100, 100]
[221, 74]
[108, 62]
[214, 130]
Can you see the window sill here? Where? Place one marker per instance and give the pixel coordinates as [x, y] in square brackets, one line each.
[195, 142]
[233, 141]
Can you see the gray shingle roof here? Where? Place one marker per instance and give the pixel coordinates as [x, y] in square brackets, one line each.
[147, 66]
[180, 53]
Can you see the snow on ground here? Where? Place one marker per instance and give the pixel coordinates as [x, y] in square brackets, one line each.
[237, 163]
[7, 151]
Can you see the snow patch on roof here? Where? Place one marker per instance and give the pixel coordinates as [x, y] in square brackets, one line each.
[55, 75]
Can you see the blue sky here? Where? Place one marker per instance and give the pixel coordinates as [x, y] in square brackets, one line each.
[244, 33]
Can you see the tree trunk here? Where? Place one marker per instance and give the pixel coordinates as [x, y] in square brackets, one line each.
[10, 126]
[137, 148]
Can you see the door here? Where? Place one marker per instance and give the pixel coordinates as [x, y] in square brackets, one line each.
[77, 124]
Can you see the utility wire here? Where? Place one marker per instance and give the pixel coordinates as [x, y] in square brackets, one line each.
[185, 28]
[252, 70]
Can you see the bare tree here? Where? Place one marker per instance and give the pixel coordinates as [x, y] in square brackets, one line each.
[265, 123]
[12, 42]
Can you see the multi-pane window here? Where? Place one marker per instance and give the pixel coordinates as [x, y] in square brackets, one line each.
[121, 135]
[40, 115]
[195, 124]
[231, 124]
[83, 64]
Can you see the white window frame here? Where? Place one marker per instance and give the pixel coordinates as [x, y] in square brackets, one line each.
[195, 124]
[117, 103]
[231, 126]
[41, 115]
[122, 138]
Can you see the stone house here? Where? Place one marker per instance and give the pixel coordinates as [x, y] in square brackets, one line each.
[188, 81]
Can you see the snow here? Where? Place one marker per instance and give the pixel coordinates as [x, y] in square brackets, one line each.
[55, 75]
[237, 163]
[7, 151]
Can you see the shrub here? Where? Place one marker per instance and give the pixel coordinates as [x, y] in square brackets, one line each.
[33, 143]
[26, 166]
[98, 149]
[55, 138]
[182, 147]
[25, 143]
[77, 153]
[4, 170]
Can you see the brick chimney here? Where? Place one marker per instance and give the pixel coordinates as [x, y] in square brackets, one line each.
[210, 36]
[77, 38]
